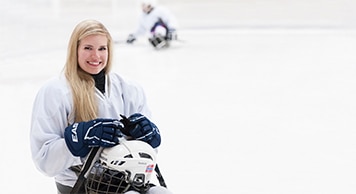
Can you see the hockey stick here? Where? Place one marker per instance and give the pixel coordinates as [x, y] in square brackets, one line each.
[80, 183]
[160, 177]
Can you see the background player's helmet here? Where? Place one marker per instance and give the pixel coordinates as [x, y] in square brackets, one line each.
[151, 3]
[130, 163]
[147, 5]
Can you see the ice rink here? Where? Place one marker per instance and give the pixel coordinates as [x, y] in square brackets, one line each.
[259, 97]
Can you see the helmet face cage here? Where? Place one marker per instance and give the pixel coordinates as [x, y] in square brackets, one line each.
[128, 165]
[102, 180]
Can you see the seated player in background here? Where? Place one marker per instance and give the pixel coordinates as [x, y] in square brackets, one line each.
[156, 21]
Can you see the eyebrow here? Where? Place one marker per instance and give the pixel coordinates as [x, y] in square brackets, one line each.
[93, 46]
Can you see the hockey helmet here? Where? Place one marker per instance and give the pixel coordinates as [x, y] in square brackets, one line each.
[128, 164]
[152, 3]
[147, 5]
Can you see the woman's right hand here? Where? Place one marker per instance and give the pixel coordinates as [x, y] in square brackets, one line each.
[81, 137]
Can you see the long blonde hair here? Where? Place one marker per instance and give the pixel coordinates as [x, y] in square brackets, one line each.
[82, 84]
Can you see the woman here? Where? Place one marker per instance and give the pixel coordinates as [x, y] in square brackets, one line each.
[81, 109]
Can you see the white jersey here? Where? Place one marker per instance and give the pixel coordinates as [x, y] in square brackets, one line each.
[147, 21]
[52, 113]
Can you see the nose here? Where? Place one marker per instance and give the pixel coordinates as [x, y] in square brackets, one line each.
[95, 54]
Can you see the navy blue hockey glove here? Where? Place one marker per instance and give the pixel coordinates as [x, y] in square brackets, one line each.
[130, 39]
[172, 34]
[81, 137]
[140, 128]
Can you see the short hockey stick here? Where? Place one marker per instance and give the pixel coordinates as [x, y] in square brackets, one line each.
[80, 183]
[160, 177]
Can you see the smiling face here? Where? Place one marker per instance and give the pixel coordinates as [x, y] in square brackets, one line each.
[93, 53]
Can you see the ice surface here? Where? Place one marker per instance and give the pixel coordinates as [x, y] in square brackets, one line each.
[259, 98]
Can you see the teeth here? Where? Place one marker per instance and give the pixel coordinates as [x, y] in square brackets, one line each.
[94, 63]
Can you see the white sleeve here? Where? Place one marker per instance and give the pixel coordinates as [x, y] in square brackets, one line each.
[141, 28]
[49, 119]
